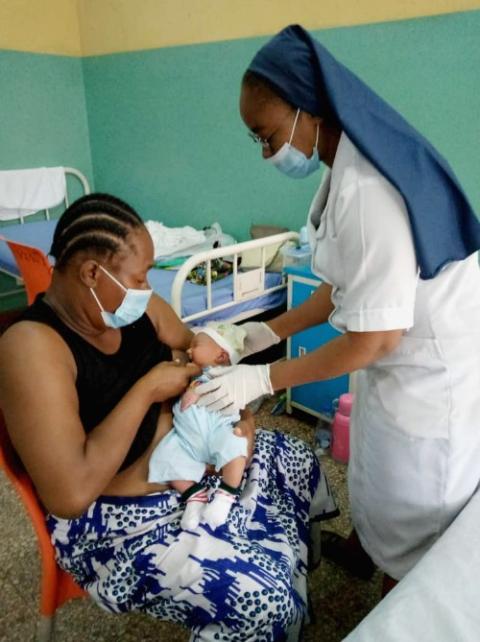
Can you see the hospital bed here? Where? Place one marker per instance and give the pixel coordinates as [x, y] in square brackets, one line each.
[238, 296]
[38, 233]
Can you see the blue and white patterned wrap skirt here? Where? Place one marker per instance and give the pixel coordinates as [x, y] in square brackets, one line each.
[247, 580]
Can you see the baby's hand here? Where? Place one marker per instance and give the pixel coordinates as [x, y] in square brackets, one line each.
[189, 397]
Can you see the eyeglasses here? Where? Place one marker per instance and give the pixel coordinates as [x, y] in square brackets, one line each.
[264, 142]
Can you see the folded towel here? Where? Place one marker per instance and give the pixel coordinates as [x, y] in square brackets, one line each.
[26, 191]
[169, 240]
[273, 257]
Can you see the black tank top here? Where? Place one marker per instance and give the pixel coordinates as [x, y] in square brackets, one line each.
[103, 379]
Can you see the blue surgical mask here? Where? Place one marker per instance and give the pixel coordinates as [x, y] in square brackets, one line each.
[132, 307]
[291, 161]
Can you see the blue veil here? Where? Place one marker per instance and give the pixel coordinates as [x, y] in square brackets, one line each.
[305, 74]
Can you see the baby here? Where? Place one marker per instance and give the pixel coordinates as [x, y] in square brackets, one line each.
[200, 436]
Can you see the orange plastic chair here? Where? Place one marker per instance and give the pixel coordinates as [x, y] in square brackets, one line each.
[57, 587]
[34, 267]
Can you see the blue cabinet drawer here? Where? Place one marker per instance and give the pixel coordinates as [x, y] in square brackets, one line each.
[319, 395]
[301, 292]
[310, 339]
[315, 397]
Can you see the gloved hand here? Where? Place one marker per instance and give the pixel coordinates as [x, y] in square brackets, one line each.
[259, 337]
[232, 387]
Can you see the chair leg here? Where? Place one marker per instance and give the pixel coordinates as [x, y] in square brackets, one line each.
[44, 629]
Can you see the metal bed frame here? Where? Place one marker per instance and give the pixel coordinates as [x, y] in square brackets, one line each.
[86, 190]
[247, 285]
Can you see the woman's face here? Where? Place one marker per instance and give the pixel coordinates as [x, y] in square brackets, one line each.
[129, 266]
[272, 119]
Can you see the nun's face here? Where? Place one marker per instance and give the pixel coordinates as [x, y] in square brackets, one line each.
[272, 120]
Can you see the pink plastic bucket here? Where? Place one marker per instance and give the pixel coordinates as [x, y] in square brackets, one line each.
[345, 403]
[341, 438]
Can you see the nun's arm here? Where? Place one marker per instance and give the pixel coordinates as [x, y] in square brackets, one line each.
[344, 354]
[315, 310]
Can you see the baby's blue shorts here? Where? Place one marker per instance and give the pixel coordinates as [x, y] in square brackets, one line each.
[198, 437]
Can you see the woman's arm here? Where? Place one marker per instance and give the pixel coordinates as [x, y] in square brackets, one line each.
[234, 387]
[170, 329]
[246, 428]
[315, 310]
[347, 353]
[38, 397]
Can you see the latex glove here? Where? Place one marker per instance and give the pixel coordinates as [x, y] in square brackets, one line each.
[232, 387]
[259, 337]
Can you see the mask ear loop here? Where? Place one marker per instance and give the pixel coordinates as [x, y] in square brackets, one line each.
[113, 278]
[316, 139]
[294, 125]
[97, 300]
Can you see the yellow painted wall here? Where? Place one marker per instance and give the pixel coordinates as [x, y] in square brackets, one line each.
[148, 24]
[92, 27]
[44, 26]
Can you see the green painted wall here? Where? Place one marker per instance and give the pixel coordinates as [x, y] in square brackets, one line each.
[42, 112]
[163, 128]
[166, 135]
[43, 119]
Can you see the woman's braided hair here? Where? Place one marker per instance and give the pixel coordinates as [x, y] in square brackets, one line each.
[98, 222]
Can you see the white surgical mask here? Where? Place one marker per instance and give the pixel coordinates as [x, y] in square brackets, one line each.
[291, 161]
[132, 307]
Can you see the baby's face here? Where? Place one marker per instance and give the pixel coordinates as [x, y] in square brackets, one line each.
[204, 351]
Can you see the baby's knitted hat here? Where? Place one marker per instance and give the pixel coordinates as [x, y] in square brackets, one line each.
[229, 336]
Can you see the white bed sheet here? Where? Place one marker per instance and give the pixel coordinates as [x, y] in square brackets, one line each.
[439, 599]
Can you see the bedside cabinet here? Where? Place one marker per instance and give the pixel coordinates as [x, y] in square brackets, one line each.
[315, 398]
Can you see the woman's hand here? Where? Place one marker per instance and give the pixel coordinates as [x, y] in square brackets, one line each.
[180, 356]
[169, 379]
[246, 428]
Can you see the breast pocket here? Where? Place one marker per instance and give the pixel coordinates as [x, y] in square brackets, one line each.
[411, 389]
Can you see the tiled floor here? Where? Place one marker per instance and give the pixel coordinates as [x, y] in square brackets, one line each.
[339, 601]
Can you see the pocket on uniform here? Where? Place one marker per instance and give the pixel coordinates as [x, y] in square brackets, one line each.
[411, 388]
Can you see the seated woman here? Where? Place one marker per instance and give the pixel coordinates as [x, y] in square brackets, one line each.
[86, 386]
